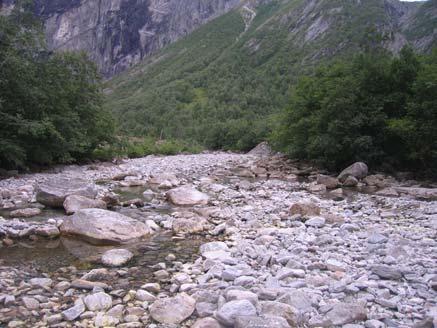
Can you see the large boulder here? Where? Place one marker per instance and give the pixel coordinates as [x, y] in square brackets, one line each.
[74, 203]
[359, 170]
[54, 192]
[262, 150]
[327, 181]
[173, 310]
[102, 227]
[187, 195]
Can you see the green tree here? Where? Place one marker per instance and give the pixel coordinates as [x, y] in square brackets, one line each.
[374, 108]
[50, 104]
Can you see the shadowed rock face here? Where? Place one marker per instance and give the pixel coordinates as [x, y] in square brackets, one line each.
[119, 33]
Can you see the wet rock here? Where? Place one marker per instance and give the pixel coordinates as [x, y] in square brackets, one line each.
[111, 199]
[305, 209]
[98, 301]
[74, 203]
[117, 257]
[54, 192]
[48, 231]
[418, 193]
[350, 181]
[99, 227]
[137, 202]
[228, 313]
[387, 192]
[148, 195]
[173, 310]
[387, 272]
[359, 170]
[25, 212]
[327, 181]
[187, 195]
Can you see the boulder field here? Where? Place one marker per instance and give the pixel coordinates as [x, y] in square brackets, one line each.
[271, 243]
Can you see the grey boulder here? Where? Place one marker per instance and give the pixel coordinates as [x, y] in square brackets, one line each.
[187, 195]
[54, 192]
[173, 310]
[74, 203]
[230, 311]
[101, 227]
[359, 170]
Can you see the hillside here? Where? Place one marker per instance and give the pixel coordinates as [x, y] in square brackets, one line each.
[223, 84]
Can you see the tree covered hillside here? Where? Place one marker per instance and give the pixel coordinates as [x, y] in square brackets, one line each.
[224, 85]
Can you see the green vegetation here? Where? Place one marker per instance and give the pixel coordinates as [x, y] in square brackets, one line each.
[224, 86]
[50, 104]
[139, 147]
[375, 108]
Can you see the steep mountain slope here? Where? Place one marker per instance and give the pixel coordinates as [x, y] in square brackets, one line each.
[421, 27]
[119, 33]
[222, 84]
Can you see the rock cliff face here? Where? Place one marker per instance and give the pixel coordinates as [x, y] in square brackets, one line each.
[119, 33]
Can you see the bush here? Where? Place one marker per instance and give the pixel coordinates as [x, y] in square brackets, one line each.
[375, 108]
[50, 104]
[140, 147]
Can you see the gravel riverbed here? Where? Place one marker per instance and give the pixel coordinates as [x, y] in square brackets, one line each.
[233, 240]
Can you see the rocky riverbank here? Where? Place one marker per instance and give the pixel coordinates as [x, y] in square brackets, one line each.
[222, 240]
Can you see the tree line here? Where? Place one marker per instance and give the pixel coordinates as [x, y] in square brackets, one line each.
[376, 107]
[50, 103]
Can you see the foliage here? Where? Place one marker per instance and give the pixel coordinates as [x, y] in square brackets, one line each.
[224, 84]
[139, 147]
[50, 104]
[375, 108]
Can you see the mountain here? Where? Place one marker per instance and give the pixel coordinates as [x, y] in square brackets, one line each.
[224, 84]
[119, 33]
